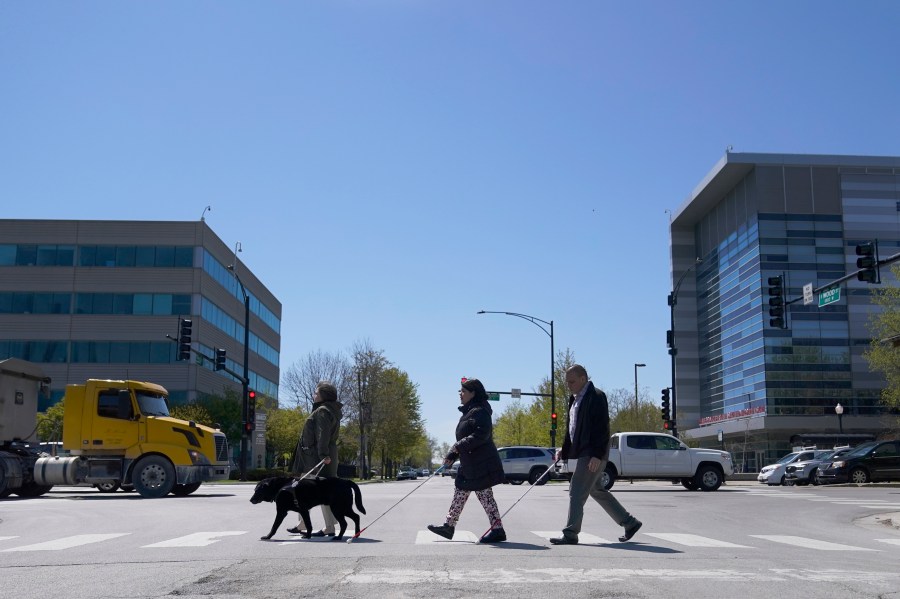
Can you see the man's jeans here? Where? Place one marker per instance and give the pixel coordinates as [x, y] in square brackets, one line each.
[586, 483]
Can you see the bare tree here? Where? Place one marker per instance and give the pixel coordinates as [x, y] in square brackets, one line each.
[300, 379]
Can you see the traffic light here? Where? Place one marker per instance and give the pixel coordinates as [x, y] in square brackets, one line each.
[665, 405]
[220, 359]
[868, 262]
[251, 410]
[553, 421]
[776, 302]
[668, 425]
[184, 338]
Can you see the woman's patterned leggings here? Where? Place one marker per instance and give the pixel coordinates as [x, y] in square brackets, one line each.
[486, 497]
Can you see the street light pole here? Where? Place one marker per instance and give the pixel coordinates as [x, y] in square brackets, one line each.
[245, 383]
[673, 350]
[535, 322]
[636, 366]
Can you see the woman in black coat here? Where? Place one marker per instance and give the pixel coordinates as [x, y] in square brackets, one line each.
[480, 467]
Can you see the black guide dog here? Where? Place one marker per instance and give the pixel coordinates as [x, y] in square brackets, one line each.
[293, 495]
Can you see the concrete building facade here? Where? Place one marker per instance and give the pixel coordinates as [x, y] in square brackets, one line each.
[96, 299]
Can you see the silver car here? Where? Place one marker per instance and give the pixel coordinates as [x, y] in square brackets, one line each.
[526, 462]
[807, 472]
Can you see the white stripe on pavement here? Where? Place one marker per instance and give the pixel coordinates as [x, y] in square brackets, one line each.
[519, 576]
[695, 540]
[583, 537]
[889, 541]
[426, 537]
[197, 539]
[810, 543]
[7, 538]
[68, 542]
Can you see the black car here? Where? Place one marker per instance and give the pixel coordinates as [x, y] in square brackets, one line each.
[873, 461]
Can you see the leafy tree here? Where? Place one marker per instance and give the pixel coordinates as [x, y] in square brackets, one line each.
[283, 428]
[192, 411]
[884, 353]
[50, 423]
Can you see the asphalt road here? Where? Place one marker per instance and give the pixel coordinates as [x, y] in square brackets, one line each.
[744, 540]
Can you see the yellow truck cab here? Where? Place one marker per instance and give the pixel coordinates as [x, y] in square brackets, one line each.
[120, 432]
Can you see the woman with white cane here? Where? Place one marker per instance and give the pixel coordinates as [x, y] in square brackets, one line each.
[480, 467]
[318, 443]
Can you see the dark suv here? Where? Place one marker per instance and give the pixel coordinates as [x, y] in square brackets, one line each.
[876, 460]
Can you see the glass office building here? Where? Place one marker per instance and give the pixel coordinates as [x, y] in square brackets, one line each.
[97, 299]
[757, 216]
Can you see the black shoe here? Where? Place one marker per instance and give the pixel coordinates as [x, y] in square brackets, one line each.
[564, 540]
[497, 535]
[296, 530]
[444, 530]
[630, 531]
[322, 533]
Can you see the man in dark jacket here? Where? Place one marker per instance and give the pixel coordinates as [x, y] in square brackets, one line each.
[587, 440]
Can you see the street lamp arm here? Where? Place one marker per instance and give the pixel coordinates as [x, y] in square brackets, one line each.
[530, 319]
[683, 275]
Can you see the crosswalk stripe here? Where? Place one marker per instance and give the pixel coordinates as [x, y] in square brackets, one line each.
[197, 539]
[583, 537]
[810, 543]
[68, 542]
[889, 541]
[426, 537]
[7, 538]
[694, 540]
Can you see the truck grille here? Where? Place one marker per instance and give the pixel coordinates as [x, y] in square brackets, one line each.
[222, 453]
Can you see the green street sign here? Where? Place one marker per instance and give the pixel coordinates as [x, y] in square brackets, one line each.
[829, 296]
[493, 396]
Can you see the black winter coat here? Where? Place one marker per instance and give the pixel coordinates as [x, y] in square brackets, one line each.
[479, 463]
[591, 429]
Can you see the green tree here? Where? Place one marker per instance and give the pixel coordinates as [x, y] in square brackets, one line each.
[192, 411]
[283, 428]
[50, 423]
[884, 353]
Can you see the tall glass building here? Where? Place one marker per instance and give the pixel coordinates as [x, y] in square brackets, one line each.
[757, 216]
[96, 299]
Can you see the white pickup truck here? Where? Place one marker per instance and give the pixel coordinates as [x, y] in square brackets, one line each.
[659, 456]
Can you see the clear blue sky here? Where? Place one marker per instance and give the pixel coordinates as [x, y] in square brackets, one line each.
[392, 167]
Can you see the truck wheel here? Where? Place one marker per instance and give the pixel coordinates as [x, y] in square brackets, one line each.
[708, 478]
[185, 490]
[535, 474]
[32, 489]
[689, 483]
[608, 478]
[153, 476]
[107, 487]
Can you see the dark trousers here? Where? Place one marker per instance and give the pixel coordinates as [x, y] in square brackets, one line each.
[588, 484]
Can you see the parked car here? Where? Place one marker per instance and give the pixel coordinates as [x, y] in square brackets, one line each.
[407, 473]
[773, 474]
[873, 461]
[807, 472]
[526, 462]
[453, 469]
[424, 472]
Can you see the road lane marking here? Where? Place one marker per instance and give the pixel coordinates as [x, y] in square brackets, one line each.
[889, 541]
[68, 542]
[197, 539]
[583, 537]
[519, 576]
[695, 540]
[810, 543]
[7, 538]
[426, 537]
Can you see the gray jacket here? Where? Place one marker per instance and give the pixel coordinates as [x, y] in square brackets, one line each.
[318, 440]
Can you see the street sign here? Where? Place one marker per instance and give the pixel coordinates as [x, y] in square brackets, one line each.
[807, 294]
[494, 396]
[829, 296]
[516, 393]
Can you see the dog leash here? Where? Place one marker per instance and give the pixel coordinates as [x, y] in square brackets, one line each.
[503, 515]
[396, 504]
[317, 468]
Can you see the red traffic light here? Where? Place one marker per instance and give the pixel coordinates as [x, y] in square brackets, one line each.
[553, 415]
[667, 425]
[251, 394]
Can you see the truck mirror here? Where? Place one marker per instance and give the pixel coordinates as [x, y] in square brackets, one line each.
[126, 409]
